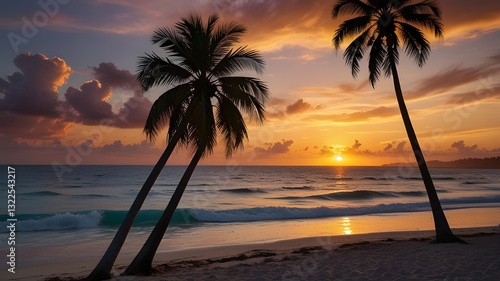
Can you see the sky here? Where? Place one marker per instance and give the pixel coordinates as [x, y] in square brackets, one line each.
[69, 96]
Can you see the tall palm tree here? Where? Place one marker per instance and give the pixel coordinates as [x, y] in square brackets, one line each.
[381, 26]
[164, 107]
[209, 102]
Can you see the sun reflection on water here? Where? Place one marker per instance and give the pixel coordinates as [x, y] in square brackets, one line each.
[346, 224]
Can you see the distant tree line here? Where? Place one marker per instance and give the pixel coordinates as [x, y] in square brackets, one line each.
[465, 163]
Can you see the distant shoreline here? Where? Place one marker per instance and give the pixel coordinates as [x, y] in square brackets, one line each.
[466, 163]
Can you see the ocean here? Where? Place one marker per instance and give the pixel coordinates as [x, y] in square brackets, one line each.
[76, 213]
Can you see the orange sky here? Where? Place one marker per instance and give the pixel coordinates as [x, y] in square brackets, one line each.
[88, 56]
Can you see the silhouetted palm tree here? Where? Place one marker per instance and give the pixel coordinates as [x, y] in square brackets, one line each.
[209, 100]
[153, 71]
[382, 26]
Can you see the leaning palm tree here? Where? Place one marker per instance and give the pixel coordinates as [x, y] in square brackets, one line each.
[164, 73]
[381, 26]
[208, 101]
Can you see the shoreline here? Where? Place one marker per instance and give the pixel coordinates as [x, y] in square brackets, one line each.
[265, 255]
[240, 244]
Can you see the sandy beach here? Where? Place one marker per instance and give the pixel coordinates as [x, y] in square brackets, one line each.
[407, 255]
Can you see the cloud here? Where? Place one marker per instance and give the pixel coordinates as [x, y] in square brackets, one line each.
[32, 127]
[484, 92]
[355, 146]
[134, 112]
[274, 148]
[118, 147]
[34, 90]
[463, 20]
[462, 148]
[359, 116]
[29, 103]
[388, 147]
[394, 147]
[90, 102]
[281, 22]
[298, 107]
[30, 106]
[456, 76]
[86, 152]
[111, 77]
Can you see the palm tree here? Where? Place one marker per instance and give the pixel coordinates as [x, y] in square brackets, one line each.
[209, 101]
[381, 26]
[163, 107]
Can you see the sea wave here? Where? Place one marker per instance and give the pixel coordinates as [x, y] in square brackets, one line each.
[356, 195]
[244, 190]
[91, 219]
[41, 193]
[194, 217]
[305, 187]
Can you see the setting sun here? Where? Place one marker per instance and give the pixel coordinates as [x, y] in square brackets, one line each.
[339, 158]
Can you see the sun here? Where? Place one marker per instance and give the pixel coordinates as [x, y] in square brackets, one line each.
[339, 158]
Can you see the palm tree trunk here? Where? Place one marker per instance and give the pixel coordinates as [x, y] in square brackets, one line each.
[443, 231]
[102, 271]
[142, 263]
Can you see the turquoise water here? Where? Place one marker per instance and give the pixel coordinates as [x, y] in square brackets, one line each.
[82, 208]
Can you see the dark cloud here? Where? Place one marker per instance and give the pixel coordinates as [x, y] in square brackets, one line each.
[275, 148]
[462, 148]
[90, 102]
[30, 106]
[395, 147]
[134, 112]
[356, 145]
[298, 107]
[111, 77]
[388, 147]
[29, 103]
[34, 90]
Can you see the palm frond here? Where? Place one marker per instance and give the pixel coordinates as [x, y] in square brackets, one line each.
[238, 60]
[426, 20]
[223, 38]
[395, 21]
[416, 45]
[249, 94]
[349, 28]
[200, 56]
[176, 47]
[351, 7]
[211, 23]
[421, 8]
[163, 107]
[156, 71]
[202, 129]
[230, 124]
[377, 57]
[392, 56]
[355, 52]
